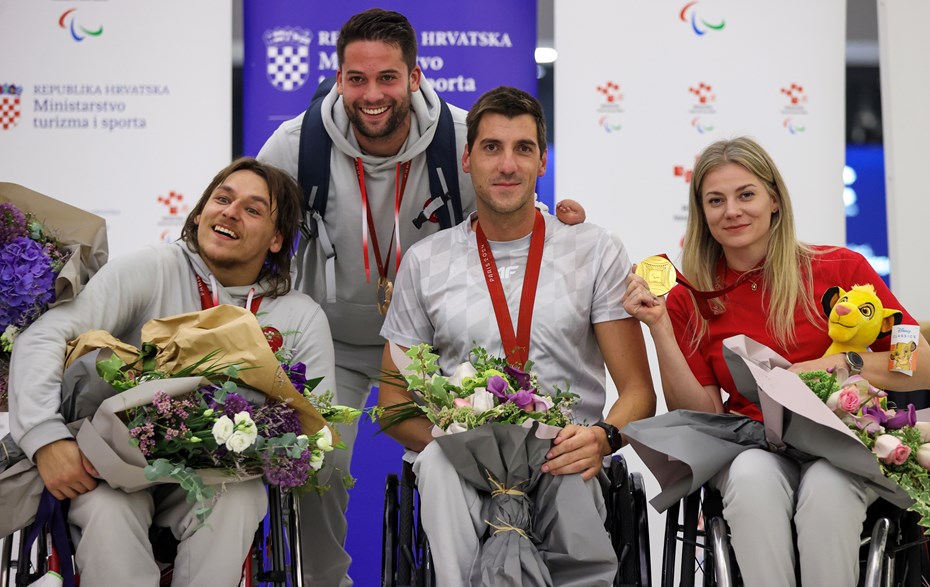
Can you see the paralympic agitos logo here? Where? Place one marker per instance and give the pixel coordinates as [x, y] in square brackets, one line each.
[689, 14]
[68, 21]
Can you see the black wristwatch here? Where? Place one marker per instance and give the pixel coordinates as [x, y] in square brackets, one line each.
[854, 363]
[614, 438]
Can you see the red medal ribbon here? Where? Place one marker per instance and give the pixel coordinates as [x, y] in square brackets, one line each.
[703, 297]
[207, 300]
[400, 185]
[517, 347]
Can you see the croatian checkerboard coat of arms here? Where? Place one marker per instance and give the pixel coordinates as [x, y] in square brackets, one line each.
[10, 111]
[287, 52]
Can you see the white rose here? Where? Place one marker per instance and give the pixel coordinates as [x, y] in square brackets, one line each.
[325, 441]
[461, 372]
[482, 400]
[923, 455]
[222, 429]
[924, 428]
[239, 441]
[244, 422]
[316, 461]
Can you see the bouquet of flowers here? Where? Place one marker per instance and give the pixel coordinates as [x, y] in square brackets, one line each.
[483, 390]
[185, 418]
[495, 426]
[899, 442]
[34, 258]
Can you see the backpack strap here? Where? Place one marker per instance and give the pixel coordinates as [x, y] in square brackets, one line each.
[313, 160]
[442, 166]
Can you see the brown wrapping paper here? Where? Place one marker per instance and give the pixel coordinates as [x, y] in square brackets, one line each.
[81, 231]
[184, 339]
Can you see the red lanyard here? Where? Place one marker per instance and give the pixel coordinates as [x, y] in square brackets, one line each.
[207, 300]
[517, 347]
[703, 298]
[400, 184]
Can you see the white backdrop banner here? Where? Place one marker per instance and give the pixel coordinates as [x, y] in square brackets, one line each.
[642, 86]
[120, 107]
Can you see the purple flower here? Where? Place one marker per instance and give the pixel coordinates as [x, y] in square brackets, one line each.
[297, 373]
[876, 413]
[902, 418]
[12, 223]
[525, 399]
[27, 282]
[276, 419]
[522, 377]
[286, 472]
[233, 404]
[498, 386]
[868, 423]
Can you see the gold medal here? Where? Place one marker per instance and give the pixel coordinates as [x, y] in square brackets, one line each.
[659, 274]
[385, 293]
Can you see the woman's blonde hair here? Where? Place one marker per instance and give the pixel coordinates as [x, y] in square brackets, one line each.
[787, 261]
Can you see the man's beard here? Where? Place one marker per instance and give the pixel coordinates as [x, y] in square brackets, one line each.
[399, 113]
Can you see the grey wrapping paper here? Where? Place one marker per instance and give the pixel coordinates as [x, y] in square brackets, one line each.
[496, 456]
[512, 456]
[104, 439]
[684, 449]
[798, 420]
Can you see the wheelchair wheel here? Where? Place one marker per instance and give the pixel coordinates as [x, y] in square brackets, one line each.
[627, 524]
[6, 561]
[641, 528]
[720, 549]
[406, 541]
[389, 533]
[671, 545]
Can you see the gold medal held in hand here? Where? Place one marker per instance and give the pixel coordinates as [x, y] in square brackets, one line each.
[385, 293]
[659, 274]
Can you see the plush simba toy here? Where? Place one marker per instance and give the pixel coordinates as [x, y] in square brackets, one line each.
[856, 318]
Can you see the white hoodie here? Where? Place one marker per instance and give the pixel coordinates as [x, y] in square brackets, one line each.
[352, 311]
[130, 290]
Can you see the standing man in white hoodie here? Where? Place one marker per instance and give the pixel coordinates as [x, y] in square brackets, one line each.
[381, 116]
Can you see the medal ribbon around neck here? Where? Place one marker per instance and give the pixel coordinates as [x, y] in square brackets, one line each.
[703, 297]
[517, 347]
[210, 300]
[368, 224]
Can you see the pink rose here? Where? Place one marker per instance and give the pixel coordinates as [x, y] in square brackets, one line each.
[891, 450]
[461, 402]
[846, 400]
[849, 400]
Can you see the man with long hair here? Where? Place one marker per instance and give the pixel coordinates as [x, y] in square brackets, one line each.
[235, 249]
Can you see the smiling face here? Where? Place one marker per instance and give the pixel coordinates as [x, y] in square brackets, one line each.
[376, 85]
[504, 162]
[236, 229]
[738, 210]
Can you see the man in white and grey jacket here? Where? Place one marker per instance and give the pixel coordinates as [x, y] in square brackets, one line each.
[238, 241]
[381, 116]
